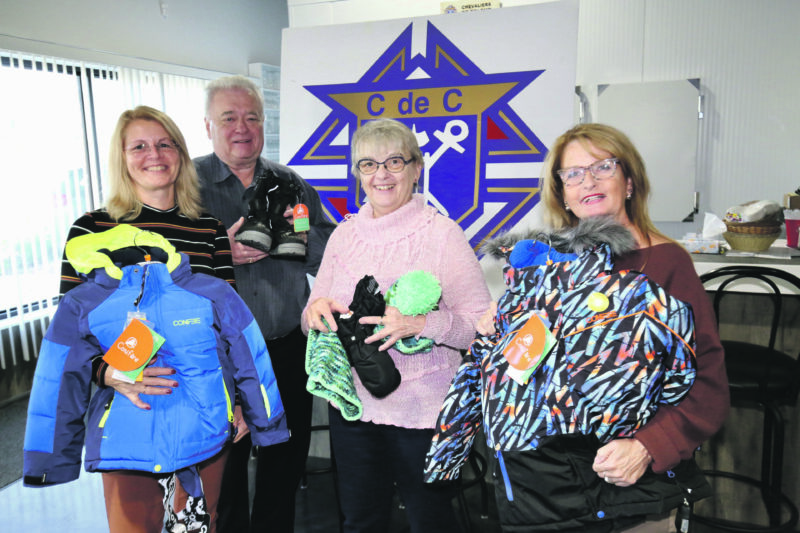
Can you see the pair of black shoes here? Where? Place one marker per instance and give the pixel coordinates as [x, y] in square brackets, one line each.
[265, 228]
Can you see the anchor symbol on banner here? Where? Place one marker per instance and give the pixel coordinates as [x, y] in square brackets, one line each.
[449, 140]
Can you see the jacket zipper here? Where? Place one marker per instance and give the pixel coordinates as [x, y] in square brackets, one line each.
[103, 418]
[506, 481]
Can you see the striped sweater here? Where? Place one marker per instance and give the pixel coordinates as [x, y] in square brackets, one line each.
[204, 240]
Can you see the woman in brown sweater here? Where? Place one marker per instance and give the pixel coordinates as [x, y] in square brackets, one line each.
[595, 170]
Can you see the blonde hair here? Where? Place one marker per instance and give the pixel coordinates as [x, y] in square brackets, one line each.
[123, 203]
[630, 162]
[384, 131]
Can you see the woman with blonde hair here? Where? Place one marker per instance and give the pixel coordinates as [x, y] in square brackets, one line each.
[125, 202]
[154, 186]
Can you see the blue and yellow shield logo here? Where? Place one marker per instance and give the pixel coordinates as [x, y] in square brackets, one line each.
[463, 121]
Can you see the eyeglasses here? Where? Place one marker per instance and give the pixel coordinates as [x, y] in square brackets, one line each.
[392, 164]
[144, 148]
[601, 170]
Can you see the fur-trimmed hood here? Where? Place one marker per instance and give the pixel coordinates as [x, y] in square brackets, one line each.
[589, 233]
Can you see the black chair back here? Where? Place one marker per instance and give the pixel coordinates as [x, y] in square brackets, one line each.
[760, 375]
[757, 371]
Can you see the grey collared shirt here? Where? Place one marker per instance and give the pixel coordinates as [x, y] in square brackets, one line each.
[276, 290]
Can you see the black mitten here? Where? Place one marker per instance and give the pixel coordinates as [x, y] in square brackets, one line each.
[374, 367]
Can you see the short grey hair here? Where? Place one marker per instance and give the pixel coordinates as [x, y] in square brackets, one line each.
[384, 131]
[228, 83]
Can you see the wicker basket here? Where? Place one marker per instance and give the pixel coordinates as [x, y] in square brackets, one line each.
[750, 242]
[754, 228]
[766, 226]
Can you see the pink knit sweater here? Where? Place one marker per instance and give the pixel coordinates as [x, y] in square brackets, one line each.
[415, 237]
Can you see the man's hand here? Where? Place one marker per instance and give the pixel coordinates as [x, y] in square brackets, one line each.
[622, 462]
[152, 384]
[242, 253]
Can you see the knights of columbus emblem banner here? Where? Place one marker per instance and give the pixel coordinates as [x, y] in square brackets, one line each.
[484, 92]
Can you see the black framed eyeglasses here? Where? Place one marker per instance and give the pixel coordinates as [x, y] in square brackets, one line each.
[601, 170]
[392, 164]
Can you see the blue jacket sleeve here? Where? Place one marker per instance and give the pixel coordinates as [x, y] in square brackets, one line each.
[252, 372]
[59, 398]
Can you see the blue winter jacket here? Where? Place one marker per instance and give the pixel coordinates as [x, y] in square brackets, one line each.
[213, 343]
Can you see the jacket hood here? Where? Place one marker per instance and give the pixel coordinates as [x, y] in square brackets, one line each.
[587, 234]
[123, 244]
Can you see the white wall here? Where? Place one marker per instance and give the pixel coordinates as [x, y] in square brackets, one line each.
[304, 13]
[746, 53]
[205, 35]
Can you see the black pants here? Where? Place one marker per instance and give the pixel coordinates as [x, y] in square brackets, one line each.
[279, 467]
[375, 460]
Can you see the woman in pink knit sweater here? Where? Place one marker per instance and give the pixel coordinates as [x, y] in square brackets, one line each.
[395, 232]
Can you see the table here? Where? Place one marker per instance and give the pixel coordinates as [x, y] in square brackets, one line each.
[778, 256]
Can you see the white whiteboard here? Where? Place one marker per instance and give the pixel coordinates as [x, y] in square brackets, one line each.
[661, 118]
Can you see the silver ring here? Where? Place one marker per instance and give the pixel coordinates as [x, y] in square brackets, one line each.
[251, 260]
[606, 479]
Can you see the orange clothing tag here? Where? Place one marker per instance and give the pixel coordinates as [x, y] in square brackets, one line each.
[132, 349]
[528, 344]
[528, 348]
[300, 214]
